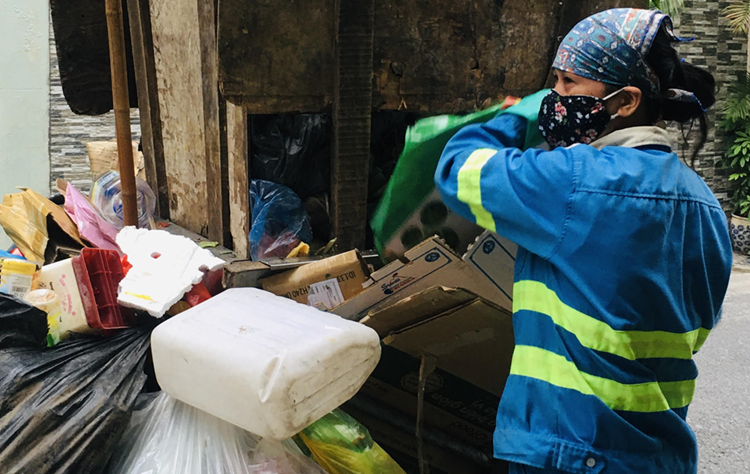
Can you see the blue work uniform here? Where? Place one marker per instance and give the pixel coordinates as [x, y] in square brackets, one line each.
[623, 266]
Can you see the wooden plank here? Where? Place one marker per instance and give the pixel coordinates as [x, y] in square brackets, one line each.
[179, 71]
[225, 199]
[210, 81]
[352, 114]
[435, 56]
[239, 177]
[447, 56]
[280, 53]
[148, 103]
[80, 28]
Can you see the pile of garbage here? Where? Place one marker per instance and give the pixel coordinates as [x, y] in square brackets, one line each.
[135, 350]
[98, 375]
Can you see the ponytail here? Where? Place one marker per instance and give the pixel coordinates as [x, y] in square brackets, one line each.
[675, 74]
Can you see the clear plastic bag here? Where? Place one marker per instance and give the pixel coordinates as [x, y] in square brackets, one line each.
[107, 197]
[280, 222]
[166, 436]
[341, 445]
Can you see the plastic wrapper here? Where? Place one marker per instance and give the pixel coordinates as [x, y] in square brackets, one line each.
[293, 150]
[280, 222]
[341, 445]
[166, 436]
[411, 209]
[63, 409]
[91, 225]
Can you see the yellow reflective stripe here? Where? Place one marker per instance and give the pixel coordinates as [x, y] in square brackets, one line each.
[649, 397]
[598, 335]
[702, 335]
[469, 186]
[679, 394]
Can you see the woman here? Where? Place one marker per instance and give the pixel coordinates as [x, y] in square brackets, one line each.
[624, 260]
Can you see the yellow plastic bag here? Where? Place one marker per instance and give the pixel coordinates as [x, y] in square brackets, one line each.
[341, 445]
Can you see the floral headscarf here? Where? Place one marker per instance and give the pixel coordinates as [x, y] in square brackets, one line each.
[612, 47]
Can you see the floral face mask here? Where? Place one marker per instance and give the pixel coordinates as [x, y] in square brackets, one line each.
[567, 120]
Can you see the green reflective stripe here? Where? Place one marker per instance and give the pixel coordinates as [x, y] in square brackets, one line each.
[702, 335]
[598, 335]
[649, 397]
[679, 394]
[470, 188]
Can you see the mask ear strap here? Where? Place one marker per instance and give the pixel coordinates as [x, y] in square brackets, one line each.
[614, 93]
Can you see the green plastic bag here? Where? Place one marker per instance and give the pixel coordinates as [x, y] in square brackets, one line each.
[341, 445]
[411, 209]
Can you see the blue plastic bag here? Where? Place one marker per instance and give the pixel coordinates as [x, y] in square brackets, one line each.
[280, 222]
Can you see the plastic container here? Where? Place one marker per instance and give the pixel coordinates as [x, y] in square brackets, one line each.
[87, 287]
[49, 302]
[262, 362]
[106, 196]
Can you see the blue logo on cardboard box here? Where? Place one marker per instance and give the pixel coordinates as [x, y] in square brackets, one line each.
[432, 257]
[489, 247]
[397, 282]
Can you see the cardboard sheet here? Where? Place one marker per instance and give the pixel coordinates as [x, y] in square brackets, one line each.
[348, 269]
[40, 228]
[433, 263]
[472, 342]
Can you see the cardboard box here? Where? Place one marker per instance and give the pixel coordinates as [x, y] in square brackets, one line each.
[103, 157]
[349, 271]
[472, 342]
[486, 270]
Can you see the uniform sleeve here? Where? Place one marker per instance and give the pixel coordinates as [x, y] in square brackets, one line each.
[524, 196]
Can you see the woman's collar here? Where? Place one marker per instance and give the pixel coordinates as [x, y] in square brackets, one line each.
[634, 137]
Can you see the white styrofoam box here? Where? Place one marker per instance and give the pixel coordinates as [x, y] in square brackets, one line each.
[165, 267]
[263, 362]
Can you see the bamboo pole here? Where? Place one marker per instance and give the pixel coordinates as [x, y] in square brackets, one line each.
[121, 105]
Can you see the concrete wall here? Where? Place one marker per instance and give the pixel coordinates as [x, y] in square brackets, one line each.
[24, 97]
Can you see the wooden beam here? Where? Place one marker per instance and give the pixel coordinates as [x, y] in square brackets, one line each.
[148, 103]
[211, 122]
[352, 113]
[121, 105]
[183, 35]
[239, 178]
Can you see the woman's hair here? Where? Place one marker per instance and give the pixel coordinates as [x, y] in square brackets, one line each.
[676, 74]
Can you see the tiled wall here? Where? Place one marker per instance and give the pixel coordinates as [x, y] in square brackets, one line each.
[69, 132]
[724, 54]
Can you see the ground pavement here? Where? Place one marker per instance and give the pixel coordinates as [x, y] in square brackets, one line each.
[720, 413]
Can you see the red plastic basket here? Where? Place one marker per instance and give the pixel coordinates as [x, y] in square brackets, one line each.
[99, 273]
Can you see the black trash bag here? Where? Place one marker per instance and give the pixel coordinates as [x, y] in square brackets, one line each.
[64, 409]
[280, 222]
[21, 325]
[293, 150]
